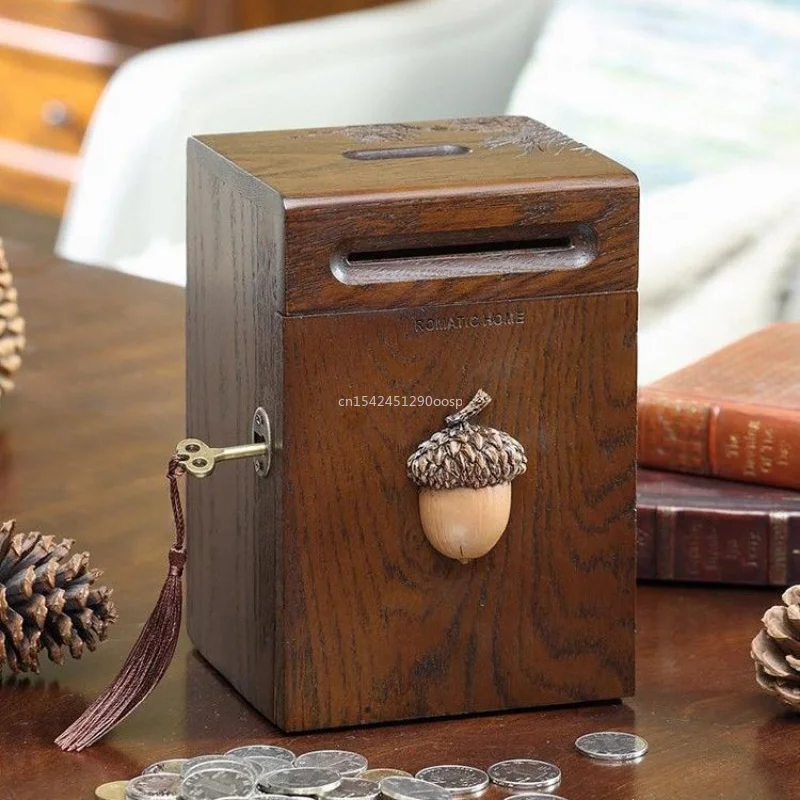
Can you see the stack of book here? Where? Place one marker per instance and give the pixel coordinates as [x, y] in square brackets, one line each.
[718, 496]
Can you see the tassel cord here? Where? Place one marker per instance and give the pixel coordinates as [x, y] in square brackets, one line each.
[154, 648]
[126, 693]
[131, 686]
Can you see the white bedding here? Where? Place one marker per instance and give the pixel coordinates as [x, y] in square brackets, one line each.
[702, 99]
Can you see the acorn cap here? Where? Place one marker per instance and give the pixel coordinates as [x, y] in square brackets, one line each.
[465, 455]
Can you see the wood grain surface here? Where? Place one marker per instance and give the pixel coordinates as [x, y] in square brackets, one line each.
[83, 445]
[387, 627]
[343, 614]
[234, 516]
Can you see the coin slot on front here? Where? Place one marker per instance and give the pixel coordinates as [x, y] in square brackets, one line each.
[562, 247]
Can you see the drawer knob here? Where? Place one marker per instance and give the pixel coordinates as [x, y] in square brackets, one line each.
[56, 114]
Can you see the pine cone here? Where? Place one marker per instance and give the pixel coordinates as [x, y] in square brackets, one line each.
[12, 327]
[776, 650]
[48, 600]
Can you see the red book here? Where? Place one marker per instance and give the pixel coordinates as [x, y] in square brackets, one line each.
[703, 529]
[734, 414]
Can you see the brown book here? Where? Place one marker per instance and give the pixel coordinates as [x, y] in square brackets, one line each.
[734, 414]
[703, 529]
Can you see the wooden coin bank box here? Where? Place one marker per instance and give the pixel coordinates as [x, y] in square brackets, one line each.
[357, 284]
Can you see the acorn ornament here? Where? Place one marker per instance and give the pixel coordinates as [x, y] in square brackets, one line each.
[464, 472]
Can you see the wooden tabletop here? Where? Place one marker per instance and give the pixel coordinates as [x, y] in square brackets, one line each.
[83, 447]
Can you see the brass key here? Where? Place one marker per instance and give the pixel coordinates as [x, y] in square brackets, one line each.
[199, 459]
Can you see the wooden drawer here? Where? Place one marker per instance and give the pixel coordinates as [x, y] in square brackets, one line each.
[34, 191]
[47, 103]
[159, 11]
[116, 24]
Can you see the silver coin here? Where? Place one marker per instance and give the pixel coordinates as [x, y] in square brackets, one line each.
[380, 773]
[162, 786]
[246, 768]
[354, 789]
[401, 788]
[262, 751]
[525, 773]
[536, 796]
[216, 783]
[457, 779]
[190, 763]
[171, 765]
[267, 764]
[258, 795]
[114, 790]
[612, 746]
[300, 780]
[344, 762]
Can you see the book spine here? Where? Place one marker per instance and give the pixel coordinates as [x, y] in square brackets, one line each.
[735, 441]
[645, 543]
[709, 545]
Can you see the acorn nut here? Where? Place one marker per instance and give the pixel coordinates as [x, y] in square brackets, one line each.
[464, 472]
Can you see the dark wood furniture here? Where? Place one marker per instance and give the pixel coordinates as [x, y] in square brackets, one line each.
[56, 57]
[291, 309]
[83, 445]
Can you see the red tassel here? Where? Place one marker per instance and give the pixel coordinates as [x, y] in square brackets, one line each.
[151, 655]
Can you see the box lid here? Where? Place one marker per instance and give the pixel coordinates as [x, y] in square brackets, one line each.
[411, 214]
[415, 157]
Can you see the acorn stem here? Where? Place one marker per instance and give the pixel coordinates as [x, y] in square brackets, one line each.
[471, 409]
